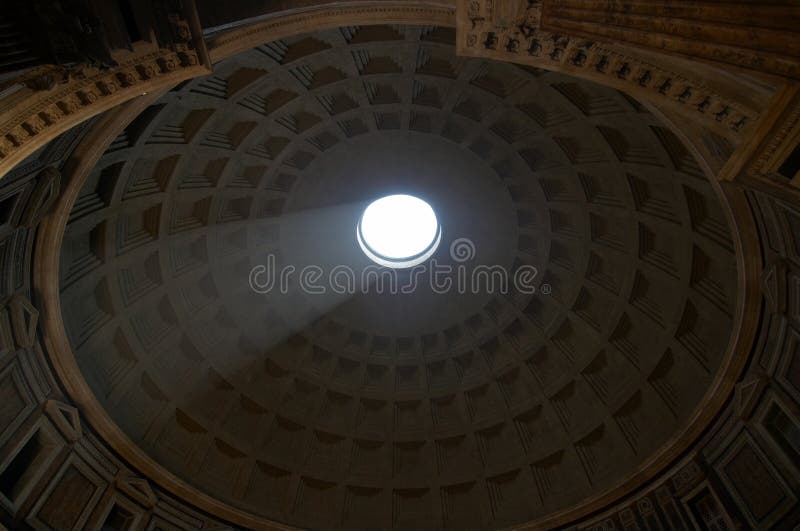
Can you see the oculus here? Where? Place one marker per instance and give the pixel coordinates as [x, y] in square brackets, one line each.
[398, 231]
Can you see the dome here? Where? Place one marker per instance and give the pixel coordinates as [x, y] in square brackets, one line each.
[363, 408]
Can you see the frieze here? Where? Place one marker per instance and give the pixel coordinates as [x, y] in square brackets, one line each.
[757, 36]
[59, 94]
[510, 30]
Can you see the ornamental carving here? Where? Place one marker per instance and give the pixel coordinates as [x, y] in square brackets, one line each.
[758, 36]
[511, 30]
[51, 97]
[108, 66]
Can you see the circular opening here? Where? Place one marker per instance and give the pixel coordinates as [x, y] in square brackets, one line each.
[398, 231]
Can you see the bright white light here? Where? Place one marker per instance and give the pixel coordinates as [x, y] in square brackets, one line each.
[398, 231]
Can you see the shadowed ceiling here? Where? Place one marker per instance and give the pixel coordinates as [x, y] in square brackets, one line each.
[407, 411]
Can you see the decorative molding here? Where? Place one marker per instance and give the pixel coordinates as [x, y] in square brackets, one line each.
[759, 37]
[24, 319]
[783, 138]
[137, 488]
[63, 97]
[511, 30]
[66, 418]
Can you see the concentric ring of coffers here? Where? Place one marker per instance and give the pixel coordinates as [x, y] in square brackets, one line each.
[497, 413]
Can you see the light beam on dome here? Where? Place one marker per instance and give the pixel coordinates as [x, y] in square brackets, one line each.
[398, 231]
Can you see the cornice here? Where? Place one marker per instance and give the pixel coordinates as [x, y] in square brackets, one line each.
[52, 99]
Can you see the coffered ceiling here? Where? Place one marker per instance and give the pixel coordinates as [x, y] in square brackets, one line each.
[415, 411]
